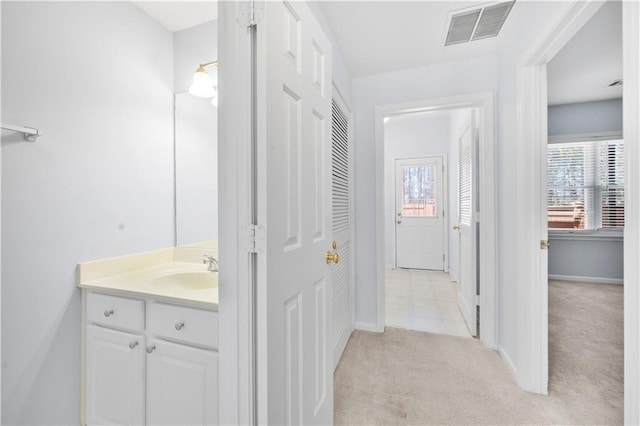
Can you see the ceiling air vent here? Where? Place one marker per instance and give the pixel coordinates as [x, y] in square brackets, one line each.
[477, 23]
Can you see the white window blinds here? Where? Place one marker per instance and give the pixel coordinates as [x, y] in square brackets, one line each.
[585, 185]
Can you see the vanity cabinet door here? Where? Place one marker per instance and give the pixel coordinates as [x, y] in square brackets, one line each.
[182, 384]
[115, 380]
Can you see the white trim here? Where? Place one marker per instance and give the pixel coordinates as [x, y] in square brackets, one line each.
[593, 280]
[586, 137]
[487, 163]
[532, 139]
[235, 386]
[369, 326]
[585, 235]
[507, 360]
[631, 111]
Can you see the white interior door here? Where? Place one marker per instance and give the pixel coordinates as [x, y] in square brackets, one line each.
[342, 277]
[295, 378]
[467, 284]
[420, 213]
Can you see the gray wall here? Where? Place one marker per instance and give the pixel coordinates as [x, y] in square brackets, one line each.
[591, 258]
[97, 78]
[587, 117]
[595, 259]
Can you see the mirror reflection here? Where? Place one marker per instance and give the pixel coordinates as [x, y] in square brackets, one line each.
[196, 174]
[196, 135]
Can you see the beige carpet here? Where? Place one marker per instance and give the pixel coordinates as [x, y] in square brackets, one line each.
[411, 377]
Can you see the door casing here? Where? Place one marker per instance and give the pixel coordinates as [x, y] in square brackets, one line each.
[484, 101]
[532, 304]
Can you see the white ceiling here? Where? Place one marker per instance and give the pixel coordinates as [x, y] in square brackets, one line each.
[180, 15]
[583, 69]
[384, 36]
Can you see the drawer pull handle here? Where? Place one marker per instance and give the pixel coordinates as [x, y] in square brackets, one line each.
[151, 349]
[133, 344]
[108, 313]
[179, 325]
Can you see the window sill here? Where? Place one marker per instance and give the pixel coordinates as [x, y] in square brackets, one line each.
[582, 235]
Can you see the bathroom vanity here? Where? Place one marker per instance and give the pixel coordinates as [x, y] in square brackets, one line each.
[150, 339]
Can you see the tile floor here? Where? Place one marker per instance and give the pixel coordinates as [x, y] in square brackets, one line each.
[423, 301]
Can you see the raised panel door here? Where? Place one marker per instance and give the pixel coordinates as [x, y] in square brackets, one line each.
[182, 384]
[115, 379]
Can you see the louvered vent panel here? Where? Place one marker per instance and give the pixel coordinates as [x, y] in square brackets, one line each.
[491, 21]
[340, 169]
[461, 27]
[478, 23]
[340, 278]
[465, 182]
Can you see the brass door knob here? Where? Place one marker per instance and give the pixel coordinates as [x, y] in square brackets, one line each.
[456, 228]
[332, 257]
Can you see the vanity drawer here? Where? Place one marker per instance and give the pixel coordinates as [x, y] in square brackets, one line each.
[114, 311]
[189, 325]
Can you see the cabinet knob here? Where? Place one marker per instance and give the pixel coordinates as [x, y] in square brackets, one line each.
[179, 325]
[151, 348]
[133, 344]
[108, 313]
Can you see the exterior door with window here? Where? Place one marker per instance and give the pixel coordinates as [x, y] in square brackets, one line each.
[420, 213]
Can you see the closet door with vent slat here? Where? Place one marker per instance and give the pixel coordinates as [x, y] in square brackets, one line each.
[342, 276]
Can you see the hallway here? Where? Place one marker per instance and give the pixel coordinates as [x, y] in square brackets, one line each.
[423, 301]
[412, 377]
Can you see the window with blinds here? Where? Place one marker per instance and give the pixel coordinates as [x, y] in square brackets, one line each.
[585, 185]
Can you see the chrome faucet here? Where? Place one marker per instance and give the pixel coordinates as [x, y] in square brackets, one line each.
[211, 262]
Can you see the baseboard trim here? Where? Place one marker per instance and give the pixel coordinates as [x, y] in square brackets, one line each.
[510, 364]
[596, 280]
[367, 326]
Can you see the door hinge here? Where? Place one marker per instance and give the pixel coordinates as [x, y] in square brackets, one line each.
[252, 238]
[250, 13]
[476, 300]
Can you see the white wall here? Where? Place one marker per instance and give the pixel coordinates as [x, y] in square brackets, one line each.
[192, 47]
[196, 138]
[442, 80]
[97, 78]
[409, 136]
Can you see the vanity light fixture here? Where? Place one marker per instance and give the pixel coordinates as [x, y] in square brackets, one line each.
[205, 85]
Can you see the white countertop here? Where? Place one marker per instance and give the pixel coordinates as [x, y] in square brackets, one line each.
[134, 275]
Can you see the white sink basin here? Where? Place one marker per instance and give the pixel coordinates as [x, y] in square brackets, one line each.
[195, 280]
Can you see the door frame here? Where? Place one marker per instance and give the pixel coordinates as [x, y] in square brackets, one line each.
[236, 363]
[531, 203]
[484, 101]
[445, 203]
[532, 303]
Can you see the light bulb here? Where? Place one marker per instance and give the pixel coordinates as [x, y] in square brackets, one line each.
[202, 86]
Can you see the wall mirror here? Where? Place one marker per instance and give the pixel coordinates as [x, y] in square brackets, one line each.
[195, 124]
[196, 171]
